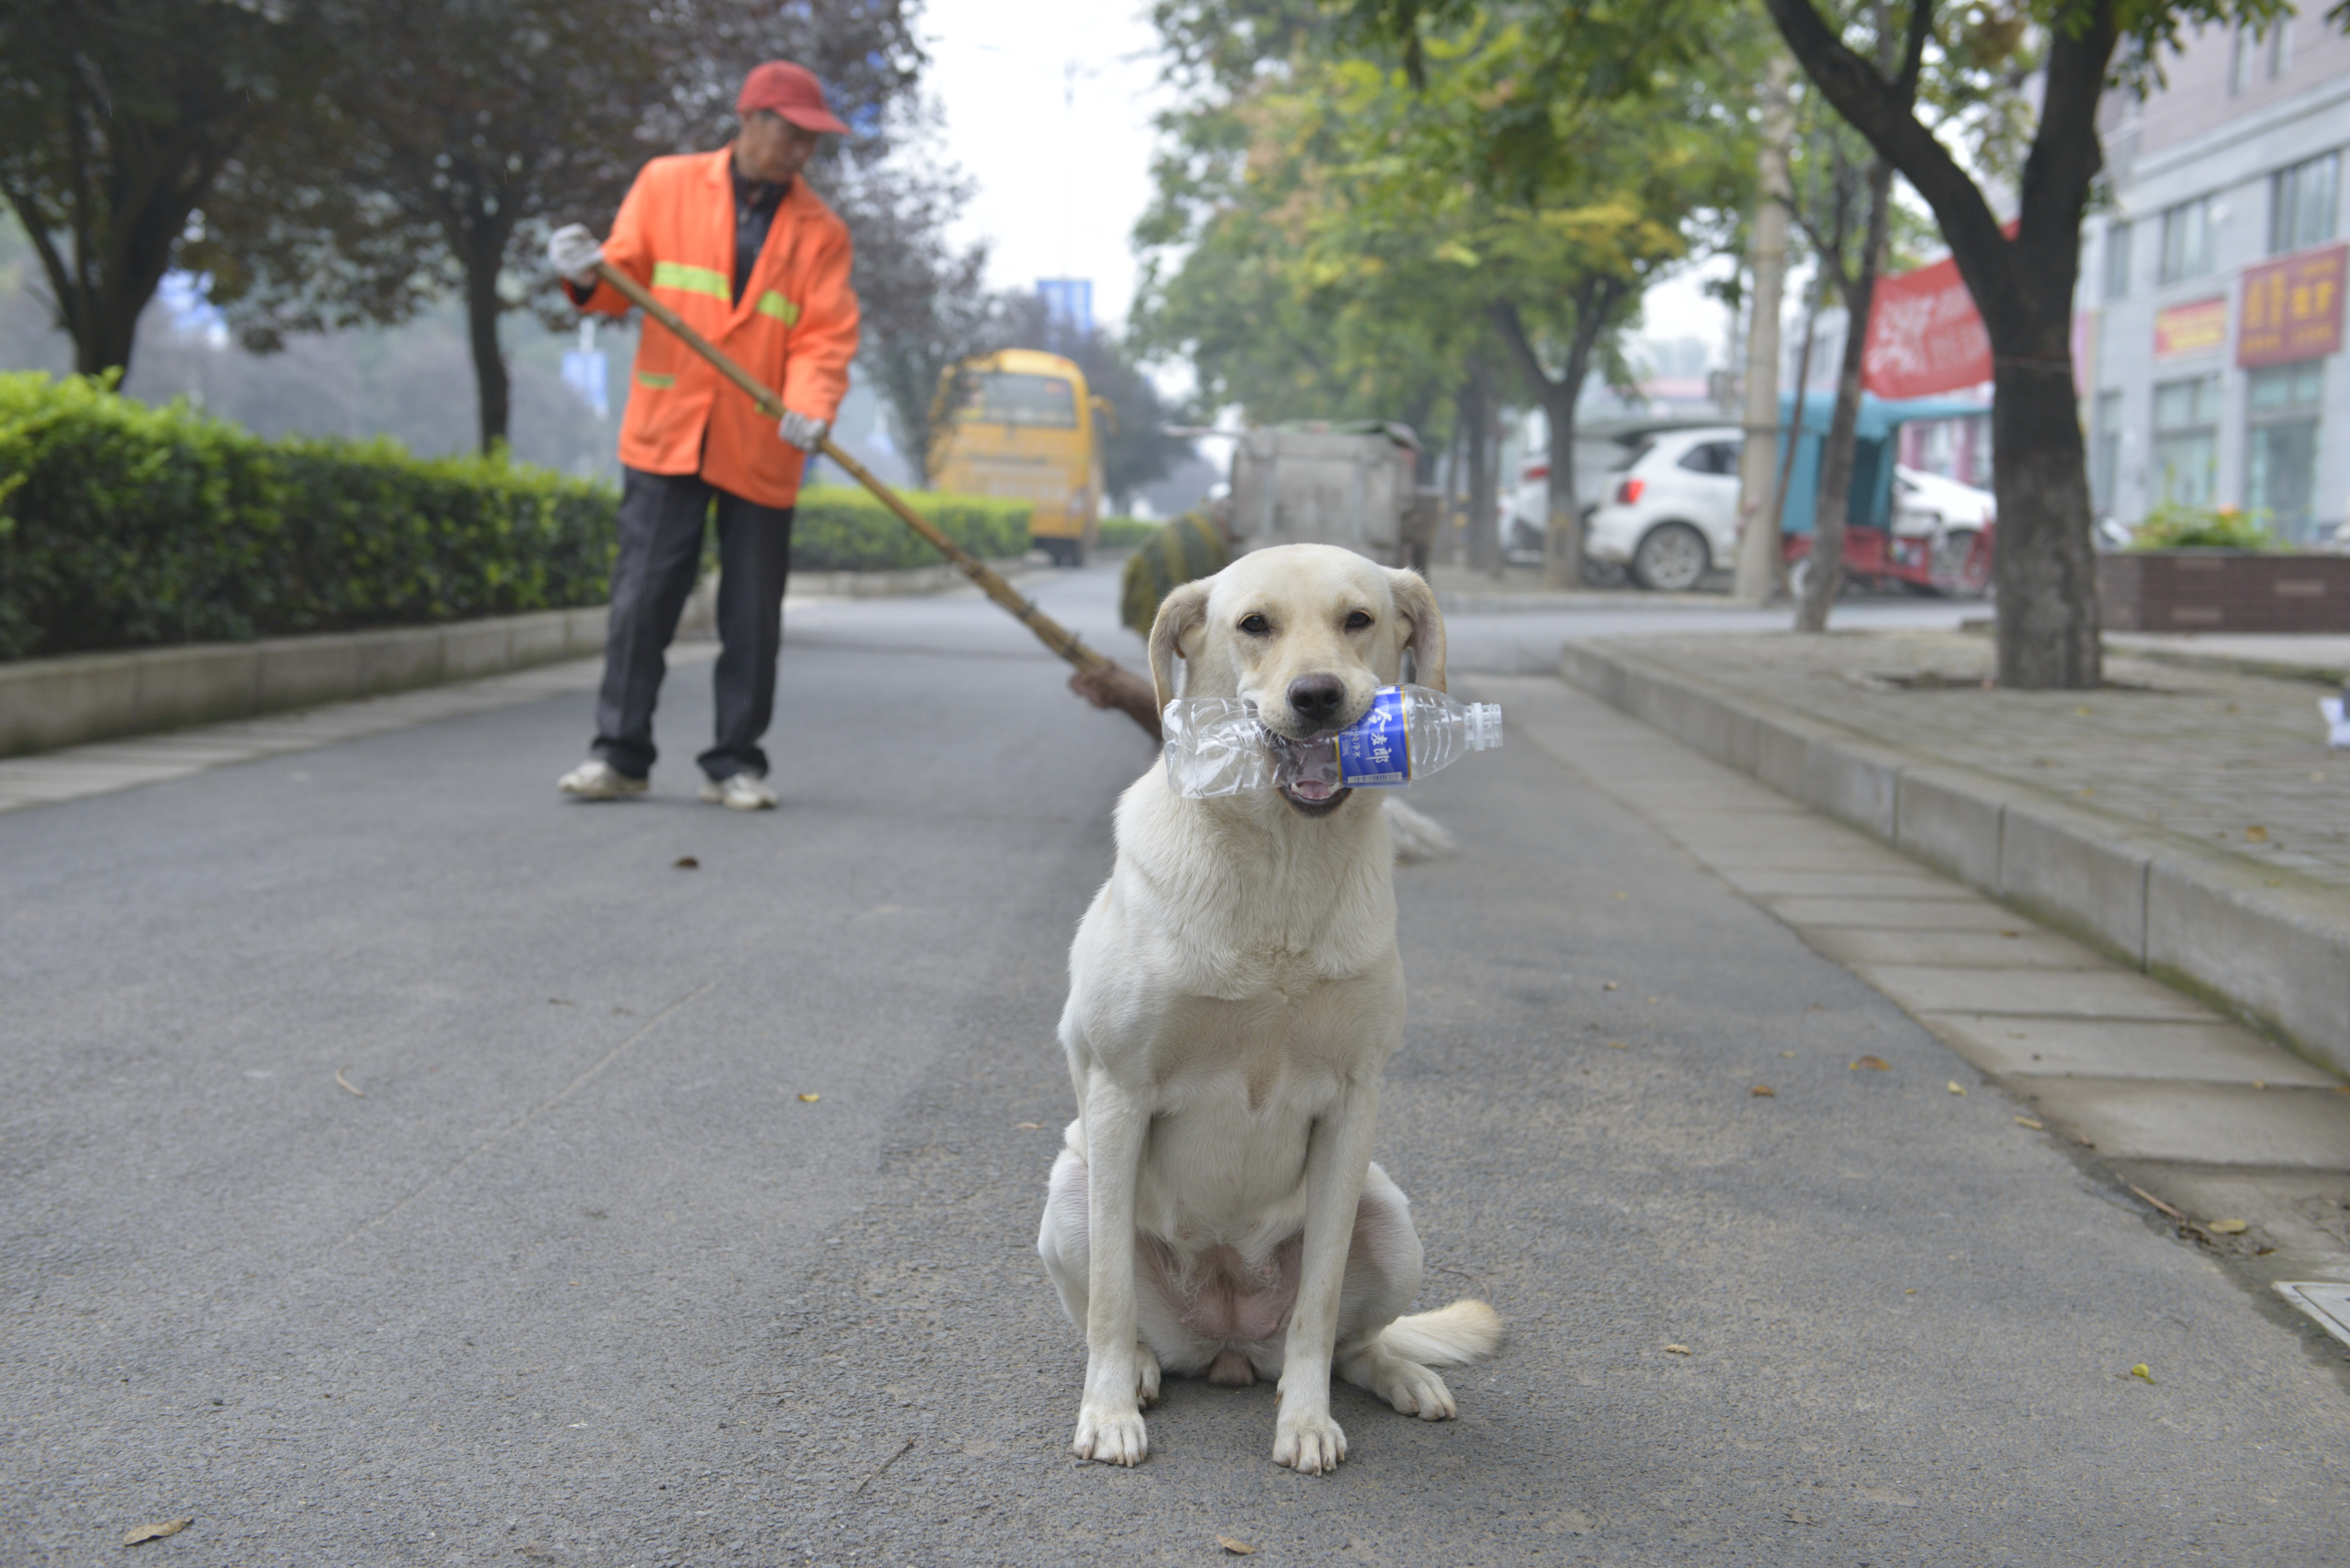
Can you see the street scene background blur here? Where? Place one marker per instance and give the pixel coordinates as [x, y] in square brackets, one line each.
[1894, 1085]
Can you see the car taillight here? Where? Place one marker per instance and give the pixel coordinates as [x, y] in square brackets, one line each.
[1627, 494]
[1536, 471]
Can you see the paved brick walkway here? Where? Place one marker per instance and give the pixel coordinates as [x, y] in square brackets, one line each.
[2235, 760]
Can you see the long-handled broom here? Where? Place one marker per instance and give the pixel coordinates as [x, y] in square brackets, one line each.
[1050, 632]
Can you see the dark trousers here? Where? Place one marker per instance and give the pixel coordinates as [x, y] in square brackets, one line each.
[661, 521]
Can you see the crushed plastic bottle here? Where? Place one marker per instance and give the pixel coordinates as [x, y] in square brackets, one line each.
[1215, 745]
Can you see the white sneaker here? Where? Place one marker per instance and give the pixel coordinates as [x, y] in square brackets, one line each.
[740, 792]
[597, 779]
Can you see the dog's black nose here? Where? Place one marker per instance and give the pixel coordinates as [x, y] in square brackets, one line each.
[1316, 699]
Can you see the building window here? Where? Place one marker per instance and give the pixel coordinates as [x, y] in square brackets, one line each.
[2106, 452]
[2117, 258]
[2285, 405]
[2187, 441]
[2304, 202]
[2258, 54]
[2189, 240]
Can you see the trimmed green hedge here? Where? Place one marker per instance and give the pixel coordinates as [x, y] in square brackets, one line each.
[840, 529]
[1127, 533]
[124, 527]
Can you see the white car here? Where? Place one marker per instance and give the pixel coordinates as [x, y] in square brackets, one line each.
[1671, 515]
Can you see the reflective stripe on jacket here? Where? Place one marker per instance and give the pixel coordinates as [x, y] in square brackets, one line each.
[794, 327]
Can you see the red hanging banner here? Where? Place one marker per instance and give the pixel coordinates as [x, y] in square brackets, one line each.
[1925, 336]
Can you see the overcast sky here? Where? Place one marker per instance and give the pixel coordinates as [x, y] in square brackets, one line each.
[1062, 162]
[1062, 179]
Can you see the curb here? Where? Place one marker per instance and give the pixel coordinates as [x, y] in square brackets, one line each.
[47, 703]
[2276, 956]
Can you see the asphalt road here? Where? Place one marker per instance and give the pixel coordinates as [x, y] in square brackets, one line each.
[401, 1165]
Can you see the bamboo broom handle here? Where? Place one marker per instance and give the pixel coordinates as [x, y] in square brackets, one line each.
[1050, 632]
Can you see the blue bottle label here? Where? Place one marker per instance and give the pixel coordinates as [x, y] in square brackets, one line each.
[1373, 752]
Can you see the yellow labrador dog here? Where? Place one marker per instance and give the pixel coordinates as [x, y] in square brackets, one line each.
[1234, 995]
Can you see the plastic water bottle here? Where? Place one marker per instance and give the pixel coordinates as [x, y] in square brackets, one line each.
[1215, 746]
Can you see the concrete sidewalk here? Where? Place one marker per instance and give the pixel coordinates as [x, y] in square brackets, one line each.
[2241, 1148]
[2186, 820]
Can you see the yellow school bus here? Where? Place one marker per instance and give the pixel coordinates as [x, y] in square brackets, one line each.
[1020, 424]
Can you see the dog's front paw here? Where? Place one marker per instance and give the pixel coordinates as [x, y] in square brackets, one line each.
[1310, 1445]
[1112, 1437]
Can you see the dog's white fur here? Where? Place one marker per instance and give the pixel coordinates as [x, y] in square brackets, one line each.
[1234, 995]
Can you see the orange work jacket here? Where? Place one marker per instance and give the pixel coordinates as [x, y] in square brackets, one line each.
[794, 327]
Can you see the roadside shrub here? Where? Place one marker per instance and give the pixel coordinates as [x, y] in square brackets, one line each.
[2170, 526]
[840, 529]
[1127, 533]
[124, 527]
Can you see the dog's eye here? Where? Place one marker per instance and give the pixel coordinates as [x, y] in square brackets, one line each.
[1255, 624]
[1359, 620]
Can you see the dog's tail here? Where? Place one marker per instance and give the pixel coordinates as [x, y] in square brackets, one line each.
[1418, 836]
[1455, 1335]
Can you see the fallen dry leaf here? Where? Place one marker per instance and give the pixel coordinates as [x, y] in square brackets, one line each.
[686, 863]
[1619, 895]
[810, 1099]
[157, 1531]
[1679, 1350]
[2083, 711]
[2028, 1122]
[1872, 1063]
[1237, 1548]
[2256, 834]
[2140, 1371]
[1764, 1092]
[1031, 1126]
[1618, 1046]
[347, 1083]
[1955, 1087]
[1797, 1516]
[1608, 985]
[2228, 1227]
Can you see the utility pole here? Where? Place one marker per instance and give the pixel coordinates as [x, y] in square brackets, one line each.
[1758, 464]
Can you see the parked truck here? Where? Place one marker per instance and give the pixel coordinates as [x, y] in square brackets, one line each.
[1322, 482]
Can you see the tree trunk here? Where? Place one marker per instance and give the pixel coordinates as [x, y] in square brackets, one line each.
[1758, 461]
[2023, 287]
[1563, 530]
[1477, 412]
[2045, 562]
[1833, 507]
[483, 254]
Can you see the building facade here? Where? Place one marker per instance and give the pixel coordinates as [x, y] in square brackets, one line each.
[2212, 289]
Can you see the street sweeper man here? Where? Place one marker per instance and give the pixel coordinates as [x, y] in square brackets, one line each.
[735, 243]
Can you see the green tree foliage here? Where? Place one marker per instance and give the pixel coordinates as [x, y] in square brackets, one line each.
[1136, 447]
[116, 118]
[455, 134]
[1353, 225]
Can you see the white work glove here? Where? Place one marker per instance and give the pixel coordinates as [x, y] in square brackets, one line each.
[803, 431]
[574, 253]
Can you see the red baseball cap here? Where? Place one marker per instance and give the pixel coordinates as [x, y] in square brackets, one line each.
[790, 92]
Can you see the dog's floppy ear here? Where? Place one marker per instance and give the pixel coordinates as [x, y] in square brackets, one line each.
[1416, 602]
[1180, 613]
